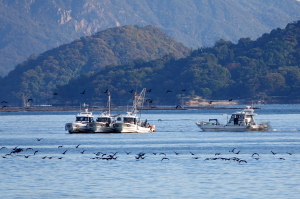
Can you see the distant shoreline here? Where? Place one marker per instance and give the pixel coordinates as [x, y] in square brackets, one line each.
[51, 108]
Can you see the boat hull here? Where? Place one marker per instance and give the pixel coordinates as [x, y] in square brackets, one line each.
[232, 128]
[75, 127]
[100, 127]
[132, 128]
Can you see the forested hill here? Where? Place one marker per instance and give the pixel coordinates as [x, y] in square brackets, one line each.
[39, 75]
[263, 69]
[34, 26]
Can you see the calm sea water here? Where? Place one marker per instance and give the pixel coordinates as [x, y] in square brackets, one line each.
[202, 175]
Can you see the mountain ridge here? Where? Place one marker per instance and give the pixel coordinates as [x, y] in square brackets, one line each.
[34, 26]
[266, 69]
[39, 75]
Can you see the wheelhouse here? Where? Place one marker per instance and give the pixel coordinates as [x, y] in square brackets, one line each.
[104, 119]
[131, 120]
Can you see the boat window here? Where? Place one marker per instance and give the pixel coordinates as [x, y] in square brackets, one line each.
[128, 120]
[82, 119]
[102, 119]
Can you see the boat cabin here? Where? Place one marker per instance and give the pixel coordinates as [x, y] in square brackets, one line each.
[242, 118]
[104, 119]
[84, 119]
[131, 120]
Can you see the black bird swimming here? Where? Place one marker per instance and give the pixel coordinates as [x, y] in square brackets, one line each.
[77, 146]
[59, 146]
[217, 153]
[192, 153]
[176, 153]
[26, 156]
[35, 152]
[127, 153]
[83, 92]
[131, 91]
[232, 150]
[183, 90]
[149, 90]
[168, 91]
[55, 94]
[273, 153]
[17, 150]
[65, 152]
[178, 106]
[39, 139]
[105, 91]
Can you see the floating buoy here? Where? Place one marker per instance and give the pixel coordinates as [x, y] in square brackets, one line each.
[152, 127]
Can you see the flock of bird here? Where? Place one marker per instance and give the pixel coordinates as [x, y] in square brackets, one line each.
[30, 152]
[150, 101]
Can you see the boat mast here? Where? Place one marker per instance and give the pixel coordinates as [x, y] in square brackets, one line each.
[138, 99]
[108, 102]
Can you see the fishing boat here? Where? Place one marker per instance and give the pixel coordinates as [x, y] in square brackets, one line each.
[81, 123]
[105, 121]
[132, 122]
[239, 121]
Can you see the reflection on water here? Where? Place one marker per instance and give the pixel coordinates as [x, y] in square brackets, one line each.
[180, 160]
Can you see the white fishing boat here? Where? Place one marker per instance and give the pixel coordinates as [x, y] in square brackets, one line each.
[132, 123]
[105, 121]
[239, 121]
[81, 123]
